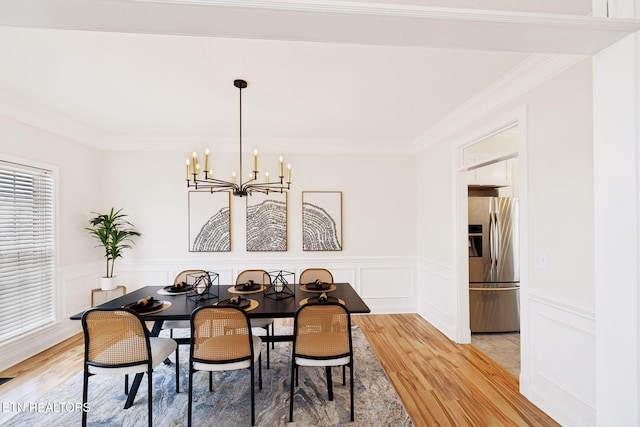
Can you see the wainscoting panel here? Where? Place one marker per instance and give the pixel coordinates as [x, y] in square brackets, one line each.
[562, 350]
[436, 295]
[386, 284]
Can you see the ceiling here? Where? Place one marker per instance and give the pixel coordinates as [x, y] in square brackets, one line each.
[159, 79]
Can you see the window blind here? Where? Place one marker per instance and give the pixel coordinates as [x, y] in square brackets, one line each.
[26, 249]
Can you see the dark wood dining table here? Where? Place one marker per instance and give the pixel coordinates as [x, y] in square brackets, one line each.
[269, 306]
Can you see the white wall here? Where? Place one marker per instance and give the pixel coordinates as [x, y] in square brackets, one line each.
[558, 335]
[79, 189]
[617, 225]
[379, 220]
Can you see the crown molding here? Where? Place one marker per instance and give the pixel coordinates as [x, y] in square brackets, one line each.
[274, 145]
[530, 73]
[47, 120]
[37, 116]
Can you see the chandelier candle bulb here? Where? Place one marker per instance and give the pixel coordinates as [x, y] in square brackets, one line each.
[233, 178]
[206, 159]
[194, 159]
[266, 175]
[188, 170]
[289, 173]
[255, 160]
[281, 168]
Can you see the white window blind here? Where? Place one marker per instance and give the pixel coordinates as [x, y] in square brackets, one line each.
[26, 249]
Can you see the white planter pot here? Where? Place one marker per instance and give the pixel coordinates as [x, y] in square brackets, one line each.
[107, 283]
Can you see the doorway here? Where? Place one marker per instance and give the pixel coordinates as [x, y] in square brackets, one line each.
[494, 276]
[489, 172]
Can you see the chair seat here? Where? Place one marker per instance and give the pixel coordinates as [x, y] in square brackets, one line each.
[176, 324]
[161, 348]
[203, 366]
[261, 323]
[302, 361]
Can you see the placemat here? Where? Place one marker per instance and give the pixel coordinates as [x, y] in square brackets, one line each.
[164, 306]
[252, 304]
[163, 292]
[233, 290]
[332, 287]
[306, 300]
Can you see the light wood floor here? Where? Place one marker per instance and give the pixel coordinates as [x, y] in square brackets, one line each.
[439, 382]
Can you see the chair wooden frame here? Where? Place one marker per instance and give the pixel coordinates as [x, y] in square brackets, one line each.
[259, 276]
[180, 324]
[117, 341]
[310, 275]
[329, 343]
[218, 332]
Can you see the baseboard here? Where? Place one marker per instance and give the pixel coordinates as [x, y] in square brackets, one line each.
[30, 344]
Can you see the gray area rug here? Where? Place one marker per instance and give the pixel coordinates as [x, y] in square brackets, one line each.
[376, 402]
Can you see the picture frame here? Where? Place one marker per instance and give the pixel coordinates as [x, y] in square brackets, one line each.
[321, 220]
[267, 222]
[209, 221]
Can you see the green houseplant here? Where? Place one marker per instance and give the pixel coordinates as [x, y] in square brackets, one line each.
[115, 234]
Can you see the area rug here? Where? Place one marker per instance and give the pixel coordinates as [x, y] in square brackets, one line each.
[376, 402]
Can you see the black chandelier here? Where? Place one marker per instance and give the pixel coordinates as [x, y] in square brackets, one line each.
[206, 182]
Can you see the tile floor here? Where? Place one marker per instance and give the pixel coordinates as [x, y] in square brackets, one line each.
[504, 348]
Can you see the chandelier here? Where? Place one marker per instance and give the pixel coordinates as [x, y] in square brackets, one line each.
[203, 179]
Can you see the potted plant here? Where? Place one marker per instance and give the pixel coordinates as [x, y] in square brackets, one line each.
[115, 234]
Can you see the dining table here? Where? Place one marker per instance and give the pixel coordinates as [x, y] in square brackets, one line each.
[266, 303]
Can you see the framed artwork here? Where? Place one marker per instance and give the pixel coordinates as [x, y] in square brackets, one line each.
[322, 220]
[267, 222]
[209, 221]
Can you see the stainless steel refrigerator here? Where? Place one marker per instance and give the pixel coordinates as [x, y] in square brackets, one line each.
[494, 267]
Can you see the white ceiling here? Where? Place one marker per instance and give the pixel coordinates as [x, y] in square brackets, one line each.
[153, 79]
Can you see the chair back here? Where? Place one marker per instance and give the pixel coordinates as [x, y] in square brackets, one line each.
[258, 276]
[115, 338]
[189, 277]
[220, 335]
[322, 331]
[310, 275]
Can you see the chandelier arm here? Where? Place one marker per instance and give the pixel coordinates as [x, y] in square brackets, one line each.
[243, 188]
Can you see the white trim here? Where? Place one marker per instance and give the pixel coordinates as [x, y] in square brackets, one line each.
[413, 11]
[266, 144]
[517, 117]
[46, 119]
[350, 22]
[58, 302]
[530, 73]
[558, 388]
[27, 345]
[435, 274]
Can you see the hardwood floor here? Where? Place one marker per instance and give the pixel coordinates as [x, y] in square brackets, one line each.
[439, 382]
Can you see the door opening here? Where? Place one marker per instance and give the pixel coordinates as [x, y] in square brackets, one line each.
[494, 249]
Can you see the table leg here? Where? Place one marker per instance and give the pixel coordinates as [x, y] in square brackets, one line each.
[133, 390]
[155, 331]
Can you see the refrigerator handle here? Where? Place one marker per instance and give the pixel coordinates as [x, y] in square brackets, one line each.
[494, 233]
[497, 238]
